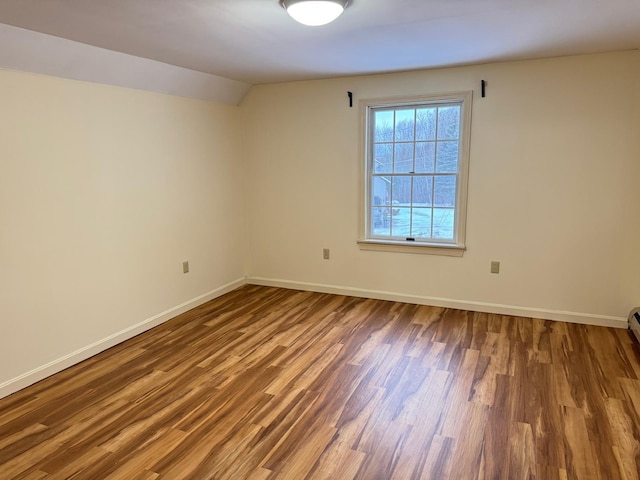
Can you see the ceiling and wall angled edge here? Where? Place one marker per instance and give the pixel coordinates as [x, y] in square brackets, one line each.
[217, 49]
[29, 51]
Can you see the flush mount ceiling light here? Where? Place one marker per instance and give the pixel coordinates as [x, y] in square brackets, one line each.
[314, 12]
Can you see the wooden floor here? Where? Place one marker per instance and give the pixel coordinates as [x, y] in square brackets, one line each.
[267, 383]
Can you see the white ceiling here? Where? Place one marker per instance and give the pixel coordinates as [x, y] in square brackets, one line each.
[254, 41]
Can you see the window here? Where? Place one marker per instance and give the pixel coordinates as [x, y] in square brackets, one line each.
[415, 181]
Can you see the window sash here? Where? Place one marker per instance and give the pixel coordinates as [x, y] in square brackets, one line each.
[431, 206]
[371, 230]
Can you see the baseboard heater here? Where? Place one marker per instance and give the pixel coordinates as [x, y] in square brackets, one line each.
[634, 322]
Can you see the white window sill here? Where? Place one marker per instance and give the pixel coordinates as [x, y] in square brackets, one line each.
[412, 247]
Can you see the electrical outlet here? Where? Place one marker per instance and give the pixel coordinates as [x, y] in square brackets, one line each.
[495, 267]
[185, 267]
[326, 253]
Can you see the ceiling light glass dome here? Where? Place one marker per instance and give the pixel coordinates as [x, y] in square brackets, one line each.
[314, 12]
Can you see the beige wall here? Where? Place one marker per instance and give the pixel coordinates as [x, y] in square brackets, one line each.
[104, 191]
[553, 190]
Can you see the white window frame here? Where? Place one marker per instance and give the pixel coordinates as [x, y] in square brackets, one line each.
[455, 247]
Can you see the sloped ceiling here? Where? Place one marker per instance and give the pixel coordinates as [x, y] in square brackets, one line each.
[254, 41]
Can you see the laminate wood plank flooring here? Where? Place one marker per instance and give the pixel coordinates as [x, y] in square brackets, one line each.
[266, 383]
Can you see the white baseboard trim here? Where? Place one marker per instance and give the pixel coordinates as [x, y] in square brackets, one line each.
[44, 371]
[563, 316]
[29, 378]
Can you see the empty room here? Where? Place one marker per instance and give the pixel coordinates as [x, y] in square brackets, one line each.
[339, 239]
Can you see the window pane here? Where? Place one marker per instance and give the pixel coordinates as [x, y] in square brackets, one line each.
[426, 124]
[383, 126]
[443, 219]
[447, 157]
[425, 157]
[401, 195]
[444, 191]
[405, 120]
[422, 191]
[380, 221]
[403, 162]
[381, 191]
[416, 169]
[421, 223]
[401, 224]
[383, 158]
[449, 123]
